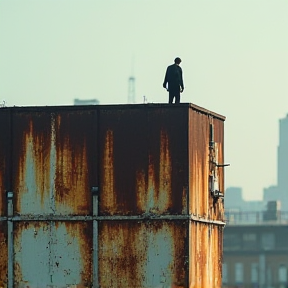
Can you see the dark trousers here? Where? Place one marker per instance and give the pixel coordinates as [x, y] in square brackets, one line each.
[176, 94]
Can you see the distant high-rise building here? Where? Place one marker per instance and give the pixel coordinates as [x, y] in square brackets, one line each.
[283, 156]
[86, 101]
[131, 90]
[255, 243]
[280, 191]
[270, 193]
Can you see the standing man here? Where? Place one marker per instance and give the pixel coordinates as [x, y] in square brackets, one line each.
[173, 78]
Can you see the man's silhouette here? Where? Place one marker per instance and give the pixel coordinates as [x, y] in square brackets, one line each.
[174, 79]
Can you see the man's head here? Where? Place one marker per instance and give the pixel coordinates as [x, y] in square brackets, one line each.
[177, 61]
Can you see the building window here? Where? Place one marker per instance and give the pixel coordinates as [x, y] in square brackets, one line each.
[254, 273]
[282, 274]
[224, 273]
[269, 275]
[249, 241]
[231, 242]
[239, 273]
[268, 241]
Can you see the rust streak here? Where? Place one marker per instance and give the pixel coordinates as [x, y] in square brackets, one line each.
[151, 198]
[141, 190]
[133, 254]
[165, 185]
[108, 171]
[72, 173]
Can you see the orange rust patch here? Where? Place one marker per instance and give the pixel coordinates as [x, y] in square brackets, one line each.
[165, 183]
[35, 157]
[108, 174]
[74, 155]
[150, 196]
[141, 189]
[206, 250]
[3, 254]
[126, 252]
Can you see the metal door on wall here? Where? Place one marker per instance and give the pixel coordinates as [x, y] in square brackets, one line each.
[47, 232]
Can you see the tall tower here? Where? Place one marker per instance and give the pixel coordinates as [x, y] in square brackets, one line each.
[280, 191]
[283, 155]
[131, 90]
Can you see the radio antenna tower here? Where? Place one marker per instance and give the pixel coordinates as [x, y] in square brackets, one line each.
[131, 85]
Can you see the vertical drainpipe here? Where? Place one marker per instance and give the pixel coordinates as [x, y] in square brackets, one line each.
[95, 194]
[10, 239]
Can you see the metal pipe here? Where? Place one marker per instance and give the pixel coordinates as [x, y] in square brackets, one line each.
[95, 191]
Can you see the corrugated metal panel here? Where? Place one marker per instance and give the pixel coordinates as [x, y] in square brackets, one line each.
[144, 171]
[205, 254]
[219, 140]
[143, 254]
[198, 163]
[201, 202]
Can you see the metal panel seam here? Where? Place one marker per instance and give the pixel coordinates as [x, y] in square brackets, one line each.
[202, 220]
[111, 218]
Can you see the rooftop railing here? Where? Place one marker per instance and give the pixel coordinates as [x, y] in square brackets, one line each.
[256, 217]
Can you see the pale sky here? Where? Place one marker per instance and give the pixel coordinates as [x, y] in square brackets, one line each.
[234, 59]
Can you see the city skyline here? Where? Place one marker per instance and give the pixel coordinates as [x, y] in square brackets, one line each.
[274, 192]
[234, 60]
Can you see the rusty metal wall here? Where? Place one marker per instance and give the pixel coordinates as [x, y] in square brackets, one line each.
[205, 242]
[201, 203]
[5, 143]
[218, 125]
[206, 132]
[53, 161]
[52, 170]
[52, 253]
[143, 169]
[144, 177]
[4, 182]
[149, 219]
[143, 253]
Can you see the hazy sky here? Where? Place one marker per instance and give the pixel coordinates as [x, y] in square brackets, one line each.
[234, 59]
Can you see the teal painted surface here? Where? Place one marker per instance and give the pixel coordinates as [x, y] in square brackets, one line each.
[48, 254]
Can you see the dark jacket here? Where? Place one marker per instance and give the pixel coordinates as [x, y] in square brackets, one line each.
[174, 78]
